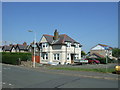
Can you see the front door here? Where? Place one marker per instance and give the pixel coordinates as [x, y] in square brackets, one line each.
[72, 58]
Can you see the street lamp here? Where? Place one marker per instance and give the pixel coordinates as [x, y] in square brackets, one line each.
[106, 56]
[34, 47]
[106, 59]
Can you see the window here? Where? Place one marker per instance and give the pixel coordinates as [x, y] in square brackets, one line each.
[68, 56]
[45, 56]
[76, 56]
[56, 57]
[44, 45]
[77, 45]
[68, 44]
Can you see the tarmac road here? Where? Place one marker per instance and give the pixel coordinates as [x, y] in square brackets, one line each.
[21, 77]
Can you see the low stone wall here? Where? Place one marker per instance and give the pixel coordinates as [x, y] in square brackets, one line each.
[26, 63]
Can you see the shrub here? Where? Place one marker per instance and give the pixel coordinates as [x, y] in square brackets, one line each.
[13, 58]
[103, 60]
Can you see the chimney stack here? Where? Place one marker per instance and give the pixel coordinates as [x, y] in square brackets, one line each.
[56, 35]
[10, 44]
[25, 44]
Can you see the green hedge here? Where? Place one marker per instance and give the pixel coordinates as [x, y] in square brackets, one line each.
[13, 58]
[103, 60]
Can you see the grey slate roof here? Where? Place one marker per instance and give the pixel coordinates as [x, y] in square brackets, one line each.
[49, 38]
[61, 40]
[7, 48]
[22, 47]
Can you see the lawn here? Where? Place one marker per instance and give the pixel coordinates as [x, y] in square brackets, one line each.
[101, 70]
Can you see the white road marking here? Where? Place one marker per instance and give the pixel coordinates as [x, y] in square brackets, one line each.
[3, 83]
[6, 68]
[10, 84]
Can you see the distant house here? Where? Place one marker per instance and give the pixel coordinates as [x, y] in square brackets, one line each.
[37, 48]
[101, 51]
[10, 48]
[59, 49]
[16, 48]
[29, 48]
[21, 48]
[1, 50]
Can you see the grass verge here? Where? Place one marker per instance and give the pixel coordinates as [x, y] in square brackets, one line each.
[101, 70]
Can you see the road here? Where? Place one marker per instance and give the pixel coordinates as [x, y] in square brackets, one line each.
[21, 77]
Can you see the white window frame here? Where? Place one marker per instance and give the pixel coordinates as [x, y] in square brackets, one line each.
[77, 45]
[45, 45]
[68, 44]
[56, 56]
[76, 56]
[45, 56]
[68, 56]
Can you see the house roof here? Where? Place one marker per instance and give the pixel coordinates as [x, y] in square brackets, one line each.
[61, 40]
[7, 48]
[49, 38]
[37, 44]
[105, 46]
[98, 55]
[22, 47]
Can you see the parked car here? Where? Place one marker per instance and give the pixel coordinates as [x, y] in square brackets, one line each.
[80, 61]
[93, 61]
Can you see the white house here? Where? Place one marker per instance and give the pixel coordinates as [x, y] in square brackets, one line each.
[10, 48]
[101, 50]
[60, 49]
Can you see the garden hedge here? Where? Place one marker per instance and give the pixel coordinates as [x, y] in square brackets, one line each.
[103, 60]
[13, 58]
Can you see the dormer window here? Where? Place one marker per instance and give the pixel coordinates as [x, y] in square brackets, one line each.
[44, 45]
[68, 44]
[77, 45]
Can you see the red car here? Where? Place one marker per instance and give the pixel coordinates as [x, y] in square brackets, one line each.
[93, 61]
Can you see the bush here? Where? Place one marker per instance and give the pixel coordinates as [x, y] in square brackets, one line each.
[13, 58]
[103, 60]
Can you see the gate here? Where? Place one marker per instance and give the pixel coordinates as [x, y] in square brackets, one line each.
[37, 59]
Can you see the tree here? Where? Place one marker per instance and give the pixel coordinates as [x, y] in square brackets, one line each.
[116, 52]
[83, 53]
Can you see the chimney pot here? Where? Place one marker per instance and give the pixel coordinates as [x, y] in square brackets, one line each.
[56, 35]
